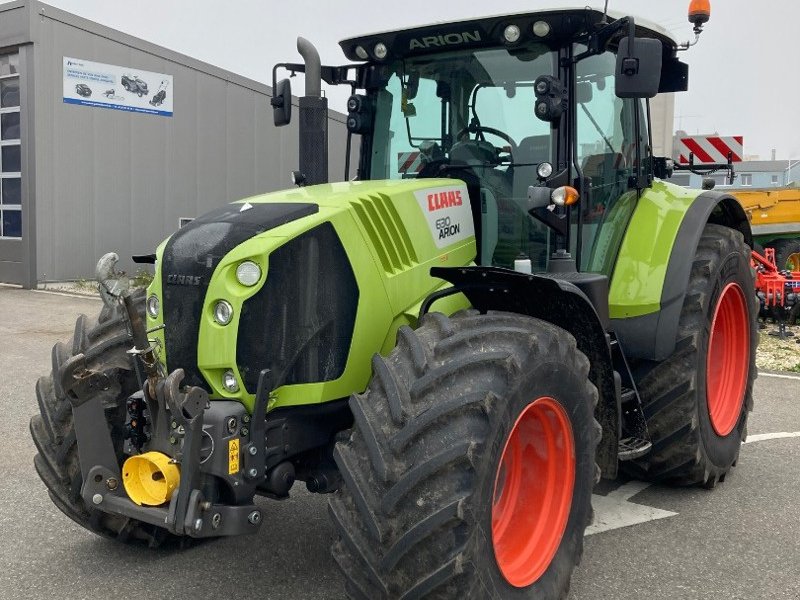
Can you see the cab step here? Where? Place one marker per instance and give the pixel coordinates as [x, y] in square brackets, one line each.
[631, 447]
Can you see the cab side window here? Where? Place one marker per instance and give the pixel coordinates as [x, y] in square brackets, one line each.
[607, 154]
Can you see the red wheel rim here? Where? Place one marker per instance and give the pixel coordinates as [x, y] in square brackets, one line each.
[533, 492]
[728, 360]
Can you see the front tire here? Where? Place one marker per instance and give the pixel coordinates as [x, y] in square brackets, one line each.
[696, 402]
[105, 346]
[471, 464]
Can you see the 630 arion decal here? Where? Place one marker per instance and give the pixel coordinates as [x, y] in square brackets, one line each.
[448, 213]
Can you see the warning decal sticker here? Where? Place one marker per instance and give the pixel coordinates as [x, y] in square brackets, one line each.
[448, 213]
[233, 456]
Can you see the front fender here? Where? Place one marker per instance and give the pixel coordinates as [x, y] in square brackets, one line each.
[552, 298]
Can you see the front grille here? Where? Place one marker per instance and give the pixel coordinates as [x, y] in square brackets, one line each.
[300, 323]
[188, 262]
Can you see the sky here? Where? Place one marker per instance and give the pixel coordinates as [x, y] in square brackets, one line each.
[744, 76]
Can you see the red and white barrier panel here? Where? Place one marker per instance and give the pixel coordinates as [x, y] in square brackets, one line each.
[409, 162]
[710, 149]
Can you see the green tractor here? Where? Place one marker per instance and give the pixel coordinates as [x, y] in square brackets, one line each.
[502, 306]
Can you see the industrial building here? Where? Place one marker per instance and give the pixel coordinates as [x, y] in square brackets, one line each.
[108, 141]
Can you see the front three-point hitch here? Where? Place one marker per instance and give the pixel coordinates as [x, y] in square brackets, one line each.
[189, 465]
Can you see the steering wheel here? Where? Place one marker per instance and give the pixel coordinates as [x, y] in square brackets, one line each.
[491, 130]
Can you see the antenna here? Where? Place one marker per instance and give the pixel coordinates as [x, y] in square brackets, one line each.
[605, 13]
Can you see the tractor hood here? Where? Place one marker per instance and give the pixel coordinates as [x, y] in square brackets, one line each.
[338, 262]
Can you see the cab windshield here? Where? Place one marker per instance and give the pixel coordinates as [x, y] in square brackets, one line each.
[469, 114]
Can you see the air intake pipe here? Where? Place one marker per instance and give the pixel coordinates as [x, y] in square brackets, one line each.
[313, 119]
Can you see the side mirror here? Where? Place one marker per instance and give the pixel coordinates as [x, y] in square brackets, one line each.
[282, 103]
[638, 69]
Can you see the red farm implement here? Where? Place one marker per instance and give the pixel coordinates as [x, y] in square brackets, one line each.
[777, 291]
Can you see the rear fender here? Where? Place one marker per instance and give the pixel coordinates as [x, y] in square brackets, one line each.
[564, 305]
[652, 270]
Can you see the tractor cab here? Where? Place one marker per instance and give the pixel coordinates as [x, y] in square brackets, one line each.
[544, 116]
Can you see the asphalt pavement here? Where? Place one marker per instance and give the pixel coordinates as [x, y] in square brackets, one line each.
[738, 541]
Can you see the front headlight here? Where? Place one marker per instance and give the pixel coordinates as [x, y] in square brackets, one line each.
[229, 381]
[152, 306]
[223, 312]
[248, 273]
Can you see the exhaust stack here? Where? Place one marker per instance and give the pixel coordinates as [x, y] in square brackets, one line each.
[313, 119]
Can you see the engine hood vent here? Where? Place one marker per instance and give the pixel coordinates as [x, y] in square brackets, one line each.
[379, 218]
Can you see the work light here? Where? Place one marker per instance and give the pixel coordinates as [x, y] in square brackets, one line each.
[511, 34]
[380, 50]
[541, 28]
[248, 273]
[152, 306]
[223, 312]
[229, 381]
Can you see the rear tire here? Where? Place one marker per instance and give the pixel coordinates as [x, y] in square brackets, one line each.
[427, 511]
[104, 345]
[697, 417]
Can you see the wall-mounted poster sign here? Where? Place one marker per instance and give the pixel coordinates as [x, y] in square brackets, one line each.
[119, 88]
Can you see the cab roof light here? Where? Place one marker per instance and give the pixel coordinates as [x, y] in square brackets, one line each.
[699, 12]
[511, 34]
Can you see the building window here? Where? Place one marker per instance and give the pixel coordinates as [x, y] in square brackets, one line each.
[774, 180]
[746, 178]
[10, 149]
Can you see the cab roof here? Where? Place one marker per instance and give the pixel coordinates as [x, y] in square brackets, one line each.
[565, 24]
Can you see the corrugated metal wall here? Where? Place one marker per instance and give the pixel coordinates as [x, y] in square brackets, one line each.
[112, 180]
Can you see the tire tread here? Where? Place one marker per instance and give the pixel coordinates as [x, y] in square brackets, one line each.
[407, 535]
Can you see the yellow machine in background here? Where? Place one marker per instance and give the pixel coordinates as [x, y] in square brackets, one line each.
[774, 215]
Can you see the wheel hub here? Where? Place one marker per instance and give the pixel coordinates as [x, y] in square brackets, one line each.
[728, 360]
[533, 492]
